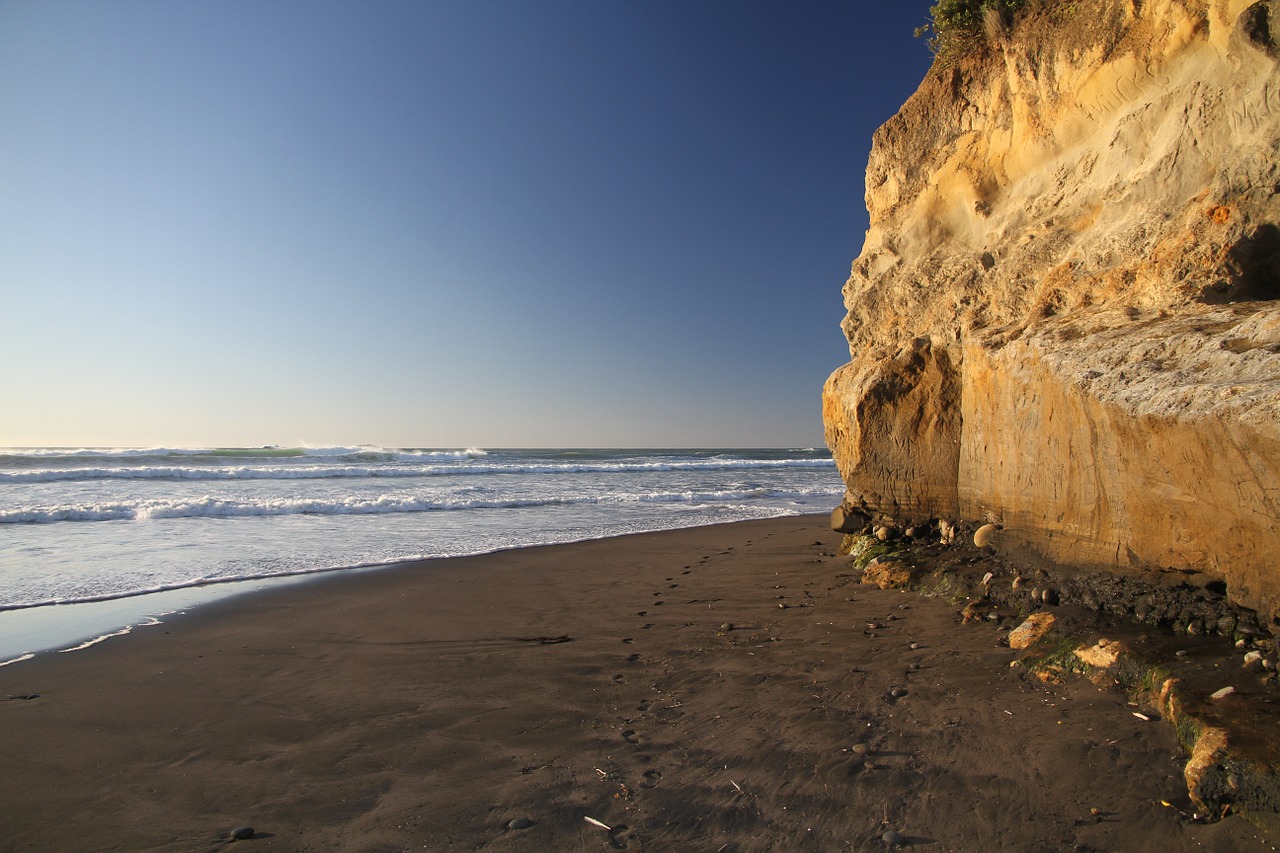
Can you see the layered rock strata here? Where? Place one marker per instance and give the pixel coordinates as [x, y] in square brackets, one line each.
[1064, 319]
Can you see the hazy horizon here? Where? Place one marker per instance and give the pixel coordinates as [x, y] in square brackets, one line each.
[434, 448]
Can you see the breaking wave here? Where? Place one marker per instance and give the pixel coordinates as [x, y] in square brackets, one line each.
[17, 457]
[210, 507]
[398, 471]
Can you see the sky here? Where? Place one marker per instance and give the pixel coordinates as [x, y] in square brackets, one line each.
[437, 223]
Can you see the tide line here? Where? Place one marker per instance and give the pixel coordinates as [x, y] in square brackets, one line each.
[125, 630]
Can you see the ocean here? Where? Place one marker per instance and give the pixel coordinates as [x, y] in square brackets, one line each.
[97, 542]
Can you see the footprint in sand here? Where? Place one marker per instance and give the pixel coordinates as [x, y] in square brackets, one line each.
[630, 736]
[651, 778]
[633, 658]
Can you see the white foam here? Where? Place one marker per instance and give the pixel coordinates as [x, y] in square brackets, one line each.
[19, 453]
[201, 518]
[244, 472]
[125, 630]
[393, 470]
[18, 659]
[230, 580]
[367, 451]
[50, 515]
[209, 506]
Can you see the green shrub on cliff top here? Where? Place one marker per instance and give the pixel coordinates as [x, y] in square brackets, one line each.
[959, 26]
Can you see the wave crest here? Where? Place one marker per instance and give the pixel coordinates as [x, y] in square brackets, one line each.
[403, 468]
[211, 507]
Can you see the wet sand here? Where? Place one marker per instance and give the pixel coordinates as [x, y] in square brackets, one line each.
[713, 689]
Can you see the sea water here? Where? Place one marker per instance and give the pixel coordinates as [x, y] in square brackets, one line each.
[94, 541]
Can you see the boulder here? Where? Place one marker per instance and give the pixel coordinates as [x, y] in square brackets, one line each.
[887, 572]
[1102, 654]
[846, 519]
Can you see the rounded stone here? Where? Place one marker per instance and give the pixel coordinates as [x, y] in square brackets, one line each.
[859, 749]
[984, 535]
[726, 626]
[520, 823]
[884, 533]
[893, 837]
[848, 520]
[242, 833]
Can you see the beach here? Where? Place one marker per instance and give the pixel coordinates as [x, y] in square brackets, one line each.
[721, 688]
[97, 525]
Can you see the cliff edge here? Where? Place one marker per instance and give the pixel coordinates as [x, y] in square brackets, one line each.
[1065, 319]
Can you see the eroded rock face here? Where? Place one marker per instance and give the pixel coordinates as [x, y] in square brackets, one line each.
[1064, 316]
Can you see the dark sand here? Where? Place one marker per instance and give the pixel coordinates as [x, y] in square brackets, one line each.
[415, 708]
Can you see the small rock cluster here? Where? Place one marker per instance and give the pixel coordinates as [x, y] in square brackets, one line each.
[1053, 615]
[894, 558]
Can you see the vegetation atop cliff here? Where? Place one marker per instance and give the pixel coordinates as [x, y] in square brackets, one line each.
[959, 26]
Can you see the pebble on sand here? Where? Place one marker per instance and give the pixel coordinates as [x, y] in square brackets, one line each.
[1030, 631]
[242, 833]
[893, 837]
[519, 823]
[984, 535]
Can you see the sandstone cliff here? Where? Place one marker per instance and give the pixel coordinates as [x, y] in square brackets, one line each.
[1064, 318]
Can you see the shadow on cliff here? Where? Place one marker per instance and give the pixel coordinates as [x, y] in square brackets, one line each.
[1255, 266]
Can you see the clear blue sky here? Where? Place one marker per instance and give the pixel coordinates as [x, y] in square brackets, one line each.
[434, 223]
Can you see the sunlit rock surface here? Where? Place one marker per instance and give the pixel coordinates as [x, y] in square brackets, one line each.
[1064, 317]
